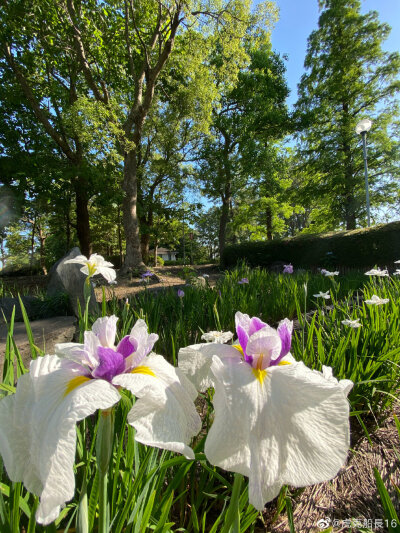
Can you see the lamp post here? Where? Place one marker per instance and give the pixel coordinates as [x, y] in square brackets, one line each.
[362, 127]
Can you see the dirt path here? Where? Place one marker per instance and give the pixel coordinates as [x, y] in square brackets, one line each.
[171, 276]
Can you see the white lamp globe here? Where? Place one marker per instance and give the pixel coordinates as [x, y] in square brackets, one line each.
[363, 126]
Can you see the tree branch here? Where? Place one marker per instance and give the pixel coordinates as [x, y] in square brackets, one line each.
[82, 57]
[38, 111]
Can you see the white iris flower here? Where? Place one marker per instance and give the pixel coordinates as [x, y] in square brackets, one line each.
[276, 421]
[324, 295]
[352, 323]
[375, 300]
[96, 264]
[217, 336]
[377, 272]
[37, 423]
[329, 274]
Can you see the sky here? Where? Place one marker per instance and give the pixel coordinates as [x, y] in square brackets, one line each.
[298, 18]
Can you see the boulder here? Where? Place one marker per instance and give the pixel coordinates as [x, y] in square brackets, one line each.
[198, 282]
[8, 303]
[69, 279]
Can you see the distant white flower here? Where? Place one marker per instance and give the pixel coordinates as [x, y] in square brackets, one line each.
[375, 300]
[96, 264]
[219, 337]
[397, 261]
[329, 274]
[321, 294]
[377, 272]
[206, 276]
[352, 323]
[397, 273]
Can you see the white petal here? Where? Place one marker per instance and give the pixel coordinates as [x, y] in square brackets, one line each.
[38, 433]
[195, 362]
[85, 270]
[98, 260]
[108, 273]
[345, 384]
[92, 343]
[144, 341]
[291, 429]
[72, 351]
[164, 415]
[80, 259]
[105, 328]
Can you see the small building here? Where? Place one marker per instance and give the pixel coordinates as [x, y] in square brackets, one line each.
[167, 255]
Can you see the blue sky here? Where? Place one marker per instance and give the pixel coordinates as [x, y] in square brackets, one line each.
[298, 18]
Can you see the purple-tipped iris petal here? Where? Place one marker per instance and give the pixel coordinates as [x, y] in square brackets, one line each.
[285, 334]
[243, 340]
[255, 325]
[127, 346]
[111, 364]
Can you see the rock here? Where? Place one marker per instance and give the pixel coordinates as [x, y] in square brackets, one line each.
[198, 282]
[69, 279]
[46, 333]
[277, 266]
[8, 303]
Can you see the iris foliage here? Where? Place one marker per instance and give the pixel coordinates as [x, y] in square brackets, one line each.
[152, 489]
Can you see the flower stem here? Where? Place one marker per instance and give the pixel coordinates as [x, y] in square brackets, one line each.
[87, 289]
[103, 452]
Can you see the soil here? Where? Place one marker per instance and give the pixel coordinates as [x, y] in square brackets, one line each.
[165, 276]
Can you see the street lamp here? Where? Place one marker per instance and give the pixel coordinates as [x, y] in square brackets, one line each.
[362, 127]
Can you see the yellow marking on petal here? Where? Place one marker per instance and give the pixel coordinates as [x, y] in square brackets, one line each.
[238, 348]
[143, 370]
[259, 374]
[284, 363]
[92, 269]
[74, 383]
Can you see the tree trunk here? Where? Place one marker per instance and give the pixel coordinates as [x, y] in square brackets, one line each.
[349, 196]
[121, 254]
[82, 215]
[133, 258]
[268, 222]
[42, 240]
[67, 230]
[223, 222]
[144, 246]
[3, 255]
[155, 253]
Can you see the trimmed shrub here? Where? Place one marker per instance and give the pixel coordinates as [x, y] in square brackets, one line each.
[160, 260]
[361, 248]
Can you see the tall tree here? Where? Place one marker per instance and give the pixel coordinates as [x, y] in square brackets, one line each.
[251, 117]
[123, 48]
[40, 71]
[349, 77]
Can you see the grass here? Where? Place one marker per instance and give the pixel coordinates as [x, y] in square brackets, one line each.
[154, 490]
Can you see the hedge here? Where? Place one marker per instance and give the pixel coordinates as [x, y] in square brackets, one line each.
[364, 248]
